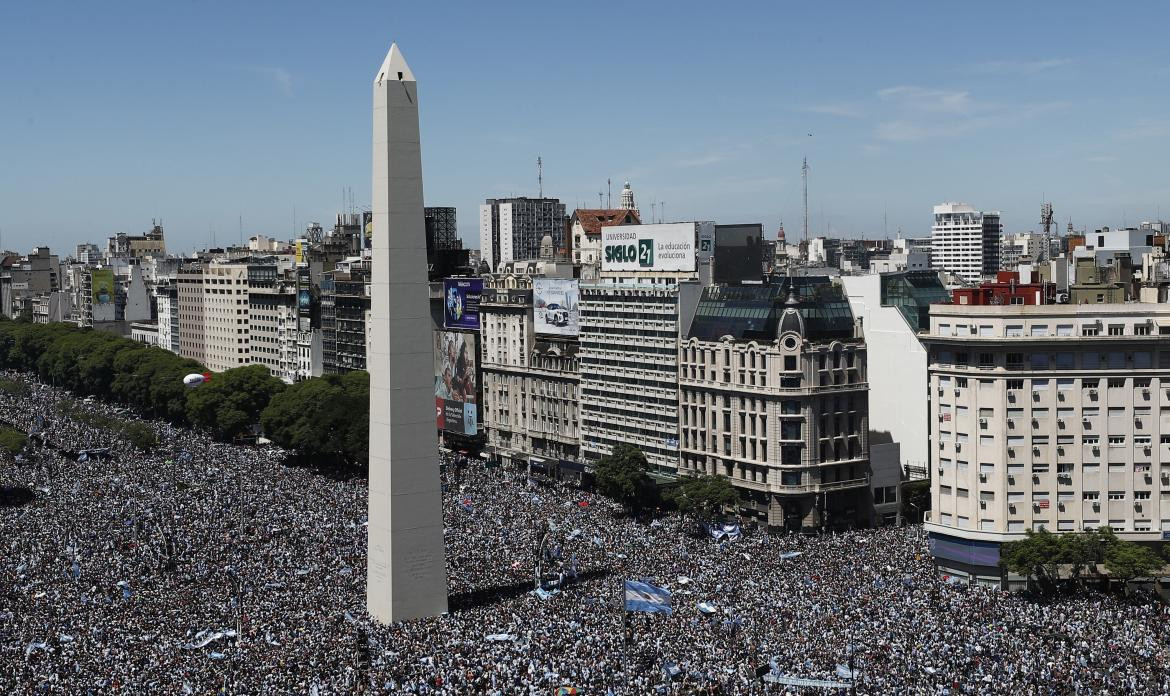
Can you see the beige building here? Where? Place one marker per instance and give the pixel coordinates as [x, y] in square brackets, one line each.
[225, 318]
[773, 395]
[272, 320]
[1050, 416]
[192, 315]
[530, 380]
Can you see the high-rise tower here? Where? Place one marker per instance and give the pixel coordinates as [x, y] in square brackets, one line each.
[406, 576]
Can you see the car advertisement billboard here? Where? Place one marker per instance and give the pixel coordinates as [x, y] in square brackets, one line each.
[456, 403]
[102, 286]
[666, 247]
[461, 303]
[556, 306]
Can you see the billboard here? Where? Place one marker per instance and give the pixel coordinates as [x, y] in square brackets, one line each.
[455, 382]
[739, 253]
[556, 306]
[665, 247]
[461, 303]
[102, 286]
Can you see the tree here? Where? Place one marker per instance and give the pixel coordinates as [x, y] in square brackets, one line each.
[139, 435]
[703, 497]
[1038, 555]
[622, 476]
[231, 402]
[1126, 560]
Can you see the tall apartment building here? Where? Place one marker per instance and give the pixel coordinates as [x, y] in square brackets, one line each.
[1045, 416]
[225, 315]
[510, 229]
[632, 320]
[530, 379]
[965, 241]
[167, 304]
[345, 304]
[772, 395]
[192, 312]
[272, 319]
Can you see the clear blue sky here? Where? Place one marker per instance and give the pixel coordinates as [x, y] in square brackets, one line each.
[201, 112]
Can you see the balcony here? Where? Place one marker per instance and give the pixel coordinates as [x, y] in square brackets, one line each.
[821, 486]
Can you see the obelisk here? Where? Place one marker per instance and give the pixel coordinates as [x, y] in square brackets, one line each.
[406, 577]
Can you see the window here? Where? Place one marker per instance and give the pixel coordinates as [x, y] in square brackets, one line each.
[1117, 441]
[1015, 384]
[1039, 330]
[1117, 329]
[1091, 330]
[1015, 361]
[1091, 495]
[944, 490]
[1014, 330]
[1137, 495]
[1064, 329]
[1117, 495]
[1141, 330]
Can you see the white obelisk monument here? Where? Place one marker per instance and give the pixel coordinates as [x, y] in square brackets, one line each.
[407, 573]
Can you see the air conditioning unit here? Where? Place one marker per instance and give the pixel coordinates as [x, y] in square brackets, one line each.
[1096, 449]
[1092, 393]
[1035, 423]
[1011, 478]
[983, 478]
[1011, 422]
[983, 422]
[1060, 450]
[1011, 507]
[982, 504]
[940, 418]
[1060, 422]
[1035, 451]
[940, 391]
[1060, 506]
[1137, 505]
[957, 391]
[1012, 396]
[1096, 505]
[1060, 396]
[1145, 391]
[940, 471]
[941, 445]
[1035, 478]
[1011, 452]
[1137, 422]
[958, 446]
[1146, 448]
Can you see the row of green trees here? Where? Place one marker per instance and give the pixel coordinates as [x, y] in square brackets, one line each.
[1050, 559]
[324, 419]
[624, 476]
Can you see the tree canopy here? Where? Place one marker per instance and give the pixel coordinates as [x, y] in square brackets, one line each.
[323, 419]
[703, 497]
[231, 402]
[1041, 556]
[622, 476]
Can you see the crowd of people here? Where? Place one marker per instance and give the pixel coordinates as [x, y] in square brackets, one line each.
[205, 568]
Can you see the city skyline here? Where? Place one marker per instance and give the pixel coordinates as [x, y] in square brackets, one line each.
[204, 115]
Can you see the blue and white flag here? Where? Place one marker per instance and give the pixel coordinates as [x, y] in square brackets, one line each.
[642, 596]
[844, 672]
[789, 555]
[706, 607]
[671, 668]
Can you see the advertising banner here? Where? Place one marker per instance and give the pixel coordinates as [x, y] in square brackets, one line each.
[665, 247]
[102, 286]
[461, 303]
[556, 306]
[456, 404]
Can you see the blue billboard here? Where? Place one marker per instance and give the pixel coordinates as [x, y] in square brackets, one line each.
[461, 303]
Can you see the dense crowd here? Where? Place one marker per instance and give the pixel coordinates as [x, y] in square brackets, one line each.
[207, 568]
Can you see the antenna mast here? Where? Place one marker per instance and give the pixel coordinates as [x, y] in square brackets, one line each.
[804, 178]
[1046, 221]
[608, 193]
[540, 176]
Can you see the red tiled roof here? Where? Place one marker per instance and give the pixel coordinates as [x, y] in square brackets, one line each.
[593, 219]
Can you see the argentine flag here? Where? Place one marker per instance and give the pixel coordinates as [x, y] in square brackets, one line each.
[642, 596]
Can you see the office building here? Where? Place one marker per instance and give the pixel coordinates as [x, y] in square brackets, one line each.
[965, 242]
[272, 319]
[511, 229]
[345, 304]
[1049, 417]
[167, 308]
[225, 315]
[772, 395]
[530, 373]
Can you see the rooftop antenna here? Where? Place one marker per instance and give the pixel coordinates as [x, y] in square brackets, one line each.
[608, 193]
[804, 178]
[661, 211]
[600, 198]
[653, 210]
[1046, 221]
[241, 230]
[540, 175]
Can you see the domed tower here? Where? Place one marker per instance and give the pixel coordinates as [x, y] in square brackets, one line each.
[627, 198]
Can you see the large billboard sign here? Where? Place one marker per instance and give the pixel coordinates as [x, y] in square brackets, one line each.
[461, 303]
[102, 286]
[556, 306]
[666, 247]
[455, 382]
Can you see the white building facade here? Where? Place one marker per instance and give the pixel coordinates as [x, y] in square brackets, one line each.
[965, 241]
[1051, 416]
